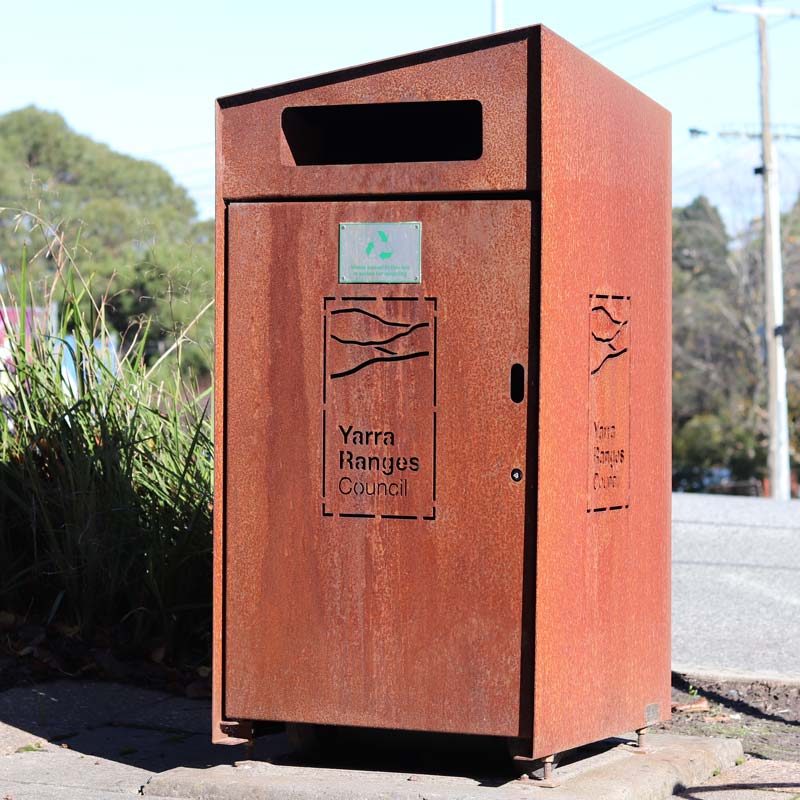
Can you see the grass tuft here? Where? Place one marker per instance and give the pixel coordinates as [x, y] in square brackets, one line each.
[35, 747]
[105, 473]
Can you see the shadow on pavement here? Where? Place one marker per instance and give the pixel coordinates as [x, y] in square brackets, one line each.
[130, 725]
[154, 731]
[703, 792]
[679, 682]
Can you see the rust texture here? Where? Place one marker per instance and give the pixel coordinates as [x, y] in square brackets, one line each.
[602, 598]
[221, 732]
[217, 735]
[256, 161]
[407, 617]
[498, 563]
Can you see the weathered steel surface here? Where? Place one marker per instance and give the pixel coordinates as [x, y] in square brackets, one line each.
[256, 161]
[602, 647]
[534, 608]
[221, 733]
[218, 571]
[407, 616]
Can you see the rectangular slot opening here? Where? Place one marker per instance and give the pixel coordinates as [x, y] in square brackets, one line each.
[517, 383]
[384, 133]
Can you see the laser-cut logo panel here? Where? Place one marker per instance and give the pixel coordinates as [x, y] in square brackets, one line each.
[379, 407]
[609, 376]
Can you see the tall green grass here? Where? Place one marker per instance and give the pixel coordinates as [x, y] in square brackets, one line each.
[106, 485]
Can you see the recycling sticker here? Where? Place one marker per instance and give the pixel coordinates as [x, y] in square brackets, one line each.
[384, 254]
[380, 252]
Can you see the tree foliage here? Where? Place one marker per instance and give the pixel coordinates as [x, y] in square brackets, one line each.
[136, 227]
[719, 358]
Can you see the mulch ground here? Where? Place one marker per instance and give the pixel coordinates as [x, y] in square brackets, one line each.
[32, 653]
[764, 715]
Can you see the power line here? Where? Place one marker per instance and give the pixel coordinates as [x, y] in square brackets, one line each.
[698, 53]
[742, 134]
[691, 56]
[734, 160]
[686, 178]
[194, 171]
[180, 149]
[643, 26]
[619, 38]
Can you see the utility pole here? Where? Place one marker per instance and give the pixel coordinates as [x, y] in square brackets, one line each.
[497, 16]
[777, 408]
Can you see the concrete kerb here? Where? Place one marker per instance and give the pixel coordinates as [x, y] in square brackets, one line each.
[717, 675]
[670, 763]
[12, 739]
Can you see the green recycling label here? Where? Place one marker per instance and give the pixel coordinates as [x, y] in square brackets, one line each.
[380, 252]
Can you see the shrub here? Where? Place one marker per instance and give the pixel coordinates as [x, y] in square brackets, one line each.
[105, 478]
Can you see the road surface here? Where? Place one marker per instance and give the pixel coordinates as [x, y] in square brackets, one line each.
[735, 584]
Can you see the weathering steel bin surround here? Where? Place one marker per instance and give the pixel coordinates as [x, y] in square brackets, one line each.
[443, 391]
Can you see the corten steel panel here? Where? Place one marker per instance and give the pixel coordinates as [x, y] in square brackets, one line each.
[377, 620]
[256, 161]
[602, 646]
[222, 731]
[456, 656]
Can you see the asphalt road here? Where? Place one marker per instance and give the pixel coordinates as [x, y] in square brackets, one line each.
[735, 584]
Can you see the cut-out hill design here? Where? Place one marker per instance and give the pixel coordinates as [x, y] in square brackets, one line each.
[361, 339]
[609, 337]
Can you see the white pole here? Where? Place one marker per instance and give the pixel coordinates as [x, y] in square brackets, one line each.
[497, 16]
[776, 357]
[777, 406]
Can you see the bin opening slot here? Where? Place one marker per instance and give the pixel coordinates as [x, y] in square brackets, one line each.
[384, 133]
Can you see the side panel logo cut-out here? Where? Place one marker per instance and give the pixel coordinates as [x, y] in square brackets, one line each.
[609, 376]
[379, 407]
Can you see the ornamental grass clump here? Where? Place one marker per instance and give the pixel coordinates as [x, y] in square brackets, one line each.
[105, 473]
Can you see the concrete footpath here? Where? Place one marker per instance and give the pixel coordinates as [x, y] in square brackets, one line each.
[618, 773]
[99, 741]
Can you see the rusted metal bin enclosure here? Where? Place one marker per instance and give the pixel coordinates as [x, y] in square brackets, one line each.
[443, 394]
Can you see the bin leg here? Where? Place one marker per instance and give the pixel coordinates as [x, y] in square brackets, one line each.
[641, 742]
[549, 761]
[548, 779]
[543, 776]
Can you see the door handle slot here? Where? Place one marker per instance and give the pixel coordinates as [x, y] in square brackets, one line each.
[517, 383]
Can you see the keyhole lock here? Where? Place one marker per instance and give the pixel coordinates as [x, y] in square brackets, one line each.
[516, 474]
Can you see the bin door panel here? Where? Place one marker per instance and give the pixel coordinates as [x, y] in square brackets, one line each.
[374, 533]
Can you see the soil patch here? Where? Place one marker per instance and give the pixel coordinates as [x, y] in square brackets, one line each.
[764, 715]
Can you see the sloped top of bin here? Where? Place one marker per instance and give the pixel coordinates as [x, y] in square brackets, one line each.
[453, 119]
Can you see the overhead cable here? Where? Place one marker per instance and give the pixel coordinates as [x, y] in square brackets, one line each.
[618, 38]
[698, 53]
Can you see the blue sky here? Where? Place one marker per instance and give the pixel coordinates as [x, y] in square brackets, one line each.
[142, 77]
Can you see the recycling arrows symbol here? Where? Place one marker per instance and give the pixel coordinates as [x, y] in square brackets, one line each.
[384, 254]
